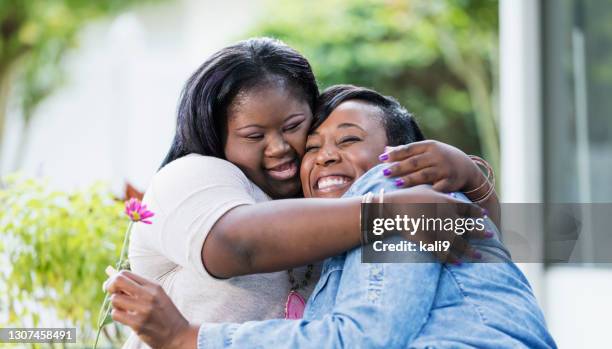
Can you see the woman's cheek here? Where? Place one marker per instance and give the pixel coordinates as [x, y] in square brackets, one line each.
[248, 158]
[305, 169]
[363, 159]
[298, 141]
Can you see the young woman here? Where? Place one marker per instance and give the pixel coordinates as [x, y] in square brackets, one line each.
[242, 125]
[362, 305]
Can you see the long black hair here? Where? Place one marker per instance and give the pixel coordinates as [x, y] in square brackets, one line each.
[400, 125]
[202, 110]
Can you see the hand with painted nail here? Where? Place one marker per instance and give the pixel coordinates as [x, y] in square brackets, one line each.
[439, 208]
[445, 167]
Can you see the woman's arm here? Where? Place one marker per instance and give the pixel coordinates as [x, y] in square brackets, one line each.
[282, 234]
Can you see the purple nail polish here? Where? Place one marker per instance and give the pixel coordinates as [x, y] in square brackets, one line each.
[387, 172]
[485, 212]
[488, 234]
[457, 263]
[477, 255]
[399, 182]
[383, 157]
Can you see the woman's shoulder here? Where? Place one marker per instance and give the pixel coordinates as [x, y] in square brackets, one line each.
[195, 168]
[198, 177]
[194, 161]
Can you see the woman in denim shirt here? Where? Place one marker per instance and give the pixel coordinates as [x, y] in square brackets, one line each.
[368, 305]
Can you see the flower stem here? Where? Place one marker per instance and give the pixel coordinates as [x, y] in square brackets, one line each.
[97, 337]
[126, 238]
[104, 310]
[106, 305]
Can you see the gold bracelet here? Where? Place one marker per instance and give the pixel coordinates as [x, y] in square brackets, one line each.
[490, 180]
[480, 161]
[486, 195]
[381, 201]
[363, 226]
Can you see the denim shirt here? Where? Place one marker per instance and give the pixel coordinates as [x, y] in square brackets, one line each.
[402, 305]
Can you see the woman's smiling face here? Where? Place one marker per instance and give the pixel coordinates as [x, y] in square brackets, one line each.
[267, 128]
[344, 147]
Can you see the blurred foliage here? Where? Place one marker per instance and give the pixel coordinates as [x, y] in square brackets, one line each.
[34, 37]
[54, 247]
[438, 57]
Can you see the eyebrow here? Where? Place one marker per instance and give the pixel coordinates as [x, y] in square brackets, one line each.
[348, 124]
[342, 125]
[259, 126]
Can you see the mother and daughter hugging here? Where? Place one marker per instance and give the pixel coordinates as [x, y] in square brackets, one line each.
[264, 180]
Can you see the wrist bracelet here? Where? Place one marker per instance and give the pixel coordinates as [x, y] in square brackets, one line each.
[490, 180]
[489, 172]
[366, 199]
[486, 195]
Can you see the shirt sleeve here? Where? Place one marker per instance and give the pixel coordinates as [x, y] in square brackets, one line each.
[193, 193]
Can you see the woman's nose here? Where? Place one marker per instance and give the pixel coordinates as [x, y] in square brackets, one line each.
[277, 146]
[327, 156]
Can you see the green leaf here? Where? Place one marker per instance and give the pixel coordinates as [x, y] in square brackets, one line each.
[107, 320]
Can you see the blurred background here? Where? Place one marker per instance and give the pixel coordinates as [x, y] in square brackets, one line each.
[89, 89]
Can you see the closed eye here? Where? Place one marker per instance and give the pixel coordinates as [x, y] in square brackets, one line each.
[255, 136]
[310, 148]
[292, 126]
[349, 139]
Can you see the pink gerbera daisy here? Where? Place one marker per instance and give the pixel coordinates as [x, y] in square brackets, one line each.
[137, 211]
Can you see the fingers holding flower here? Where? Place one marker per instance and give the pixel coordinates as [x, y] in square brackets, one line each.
[145, 307]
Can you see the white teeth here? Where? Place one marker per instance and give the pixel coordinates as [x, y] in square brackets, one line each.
[328, 182]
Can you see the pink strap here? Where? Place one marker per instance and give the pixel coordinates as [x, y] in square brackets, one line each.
[294, 308]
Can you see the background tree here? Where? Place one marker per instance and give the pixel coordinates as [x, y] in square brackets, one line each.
[34, 37]
[438, 57]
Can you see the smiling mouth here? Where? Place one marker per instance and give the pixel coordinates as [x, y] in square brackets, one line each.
[284, 171]
[332, 183]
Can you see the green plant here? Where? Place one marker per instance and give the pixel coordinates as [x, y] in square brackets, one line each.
[438, 57]
[55, 246]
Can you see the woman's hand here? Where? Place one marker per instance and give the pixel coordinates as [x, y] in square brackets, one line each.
[424, 202]
[147, 309]
[443, 166]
